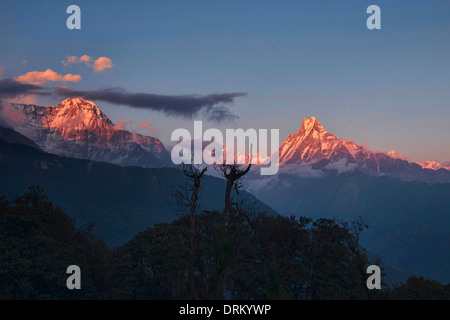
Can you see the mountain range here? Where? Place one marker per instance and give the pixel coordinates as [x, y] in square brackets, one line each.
[120, 201]
[77, 128]
[315, 147]
[100, 172]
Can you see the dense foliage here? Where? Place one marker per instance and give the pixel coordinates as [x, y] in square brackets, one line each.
[37, 243]
[254, 256]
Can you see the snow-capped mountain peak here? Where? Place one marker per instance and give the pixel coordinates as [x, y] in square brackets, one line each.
[394, 154]
[81, 105]
[313, 143]
[78, 128]
[309, 124]
[75, 115]
[434, 165]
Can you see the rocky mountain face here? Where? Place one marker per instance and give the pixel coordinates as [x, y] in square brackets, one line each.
[313, 146]
[77, 128]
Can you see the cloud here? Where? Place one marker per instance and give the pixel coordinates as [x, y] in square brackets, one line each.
[73, 59]
[10, 88]
[69, 60]
[102, 63]
[1, 70]
[85, 58]
[17, 92]
[25, 99]
[341, 166]
[122, 124]
[147, 126]
[301, 171]
[219, 114]
[212, 106]
[10, 117]
[42, 77]
[99, 65]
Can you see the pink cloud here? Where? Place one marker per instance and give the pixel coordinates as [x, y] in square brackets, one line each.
[102, 63]
[12, 116]
[147, 126]
[98, 65]
[1, 70]
[73, 59]
[122, 125]
[85, 58]
[42, 77]
[69, 60]
[144, 125]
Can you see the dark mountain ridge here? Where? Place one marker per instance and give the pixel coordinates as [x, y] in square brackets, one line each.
[121, 201]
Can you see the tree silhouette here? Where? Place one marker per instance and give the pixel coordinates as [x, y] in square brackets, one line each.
[233, 173]
[187, 197]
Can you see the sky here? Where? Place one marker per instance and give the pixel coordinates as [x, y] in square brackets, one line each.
[284, 60]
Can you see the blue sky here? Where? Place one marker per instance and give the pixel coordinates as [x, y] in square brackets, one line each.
[388, 88]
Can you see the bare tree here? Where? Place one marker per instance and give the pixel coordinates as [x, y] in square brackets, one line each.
[233, 173]
[187, 197]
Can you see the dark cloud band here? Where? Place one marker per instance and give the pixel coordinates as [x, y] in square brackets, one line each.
[184, 105]
[212, 106]
[10, 88]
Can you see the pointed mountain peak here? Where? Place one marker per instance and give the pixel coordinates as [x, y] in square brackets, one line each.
[308, 124]
[311, 143]
[311, 125]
